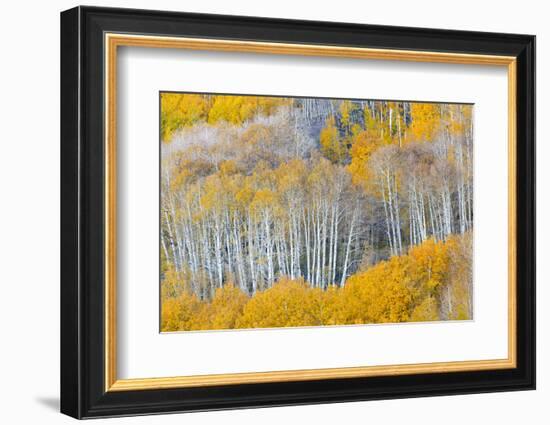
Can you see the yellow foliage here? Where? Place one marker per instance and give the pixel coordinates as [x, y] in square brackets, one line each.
[238, 109]
[380, 294]
[429, 263]
[346, 109]
[288, 303]
[181, 313]
[426, 311]
[264, 200]
[173, 283]
[457, 292]
[332, 146]
[180, 110]
[426, 122]
[212, 195]
[290, 175]
[364, 144]
[228, 168]
[226, 307]
[431, 282]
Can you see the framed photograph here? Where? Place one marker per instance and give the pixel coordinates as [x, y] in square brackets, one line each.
[261, 212]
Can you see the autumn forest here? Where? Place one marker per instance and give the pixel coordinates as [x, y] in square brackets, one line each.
[280, 211]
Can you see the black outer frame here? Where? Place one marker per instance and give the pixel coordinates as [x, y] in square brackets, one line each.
[82, 217]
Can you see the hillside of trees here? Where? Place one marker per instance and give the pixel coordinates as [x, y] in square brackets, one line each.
[301, 212]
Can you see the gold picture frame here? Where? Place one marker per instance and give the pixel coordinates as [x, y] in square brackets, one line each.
[114, 41]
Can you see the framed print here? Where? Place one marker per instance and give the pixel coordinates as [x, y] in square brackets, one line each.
[261, 212]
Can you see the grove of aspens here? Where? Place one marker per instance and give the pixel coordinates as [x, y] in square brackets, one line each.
[280, 211]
